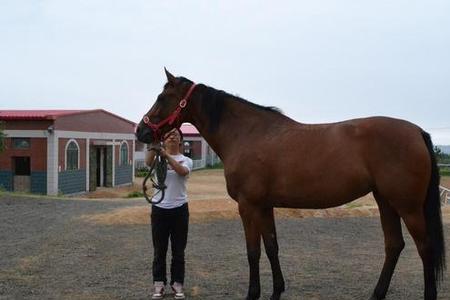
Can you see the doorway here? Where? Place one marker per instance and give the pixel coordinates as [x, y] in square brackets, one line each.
[101, 166]
[22, 171]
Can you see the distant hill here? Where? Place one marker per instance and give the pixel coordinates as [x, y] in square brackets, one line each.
[444, 148]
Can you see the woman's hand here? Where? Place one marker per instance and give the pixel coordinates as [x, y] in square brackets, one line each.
[156, 146]
[163, 152]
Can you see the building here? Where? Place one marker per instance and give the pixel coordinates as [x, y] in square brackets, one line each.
[65, 151]
[194, 146]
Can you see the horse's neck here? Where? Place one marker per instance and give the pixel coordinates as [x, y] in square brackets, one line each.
[239, 123]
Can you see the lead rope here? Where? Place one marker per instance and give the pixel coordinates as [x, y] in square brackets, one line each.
[157, 175]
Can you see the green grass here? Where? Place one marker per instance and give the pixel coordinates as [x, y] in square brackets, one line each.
[444, 171]
[219, 165]
[135, 194]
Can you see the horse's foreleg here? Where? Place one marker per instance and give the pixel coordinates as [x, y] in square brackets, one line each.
[394, 245]
[271, 245]
[251, 219]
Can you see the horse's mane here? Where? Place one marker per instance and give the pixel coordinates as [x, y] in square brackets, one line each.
[213, 102]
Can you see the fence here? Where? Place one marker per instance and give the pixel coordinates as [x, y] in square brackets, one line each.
[139, 164]
[445, 194]
[197, 164]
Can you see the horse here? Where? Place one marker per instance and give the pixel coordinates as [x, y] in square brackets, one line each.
[273, 161]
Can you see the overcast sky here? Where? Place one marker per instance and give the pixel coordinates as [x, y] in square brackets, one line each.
[319, 61]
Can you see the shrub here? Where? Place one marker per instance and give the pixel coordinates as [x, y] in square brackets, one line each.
[135, 194]
[444, 171]
[218, 165]
[141, 172]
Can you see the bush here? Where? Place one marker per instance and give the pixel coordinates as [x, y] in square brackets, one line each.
[135, 194]
[141, 172]
[218, 165]
[444, 171]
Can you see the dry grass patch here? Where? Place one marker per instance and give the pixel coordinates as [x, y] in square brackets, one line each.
[209, 200]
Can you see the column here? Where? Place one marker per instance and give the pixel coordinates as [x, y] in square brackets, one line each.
[52, 163]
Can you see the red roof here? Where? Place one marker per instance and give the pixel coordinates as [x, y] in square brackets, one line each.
[36, 114]
[189, 129]
[52, 114]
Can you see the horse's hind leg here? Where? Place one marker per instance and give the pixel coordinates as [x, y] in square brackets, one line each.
[271, 245]
[394, 244]
[415, 222]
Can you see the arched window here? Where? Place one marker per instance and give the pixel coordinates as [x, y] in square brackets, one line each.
[72, 155]
[124, 153]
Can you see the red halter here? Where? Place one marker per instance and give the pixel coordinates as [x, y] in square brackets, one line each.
[171, 118]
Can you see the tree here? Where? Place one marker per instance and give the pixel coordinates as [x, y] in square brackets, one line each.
[442, 158]
[437, 151]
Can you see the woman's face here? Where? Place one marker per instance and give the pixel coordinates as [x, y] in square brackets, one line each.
[172, 137]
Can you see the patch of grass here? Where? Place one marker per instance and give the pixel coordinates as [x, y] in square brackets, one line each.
[219, 165]
[141, 172]
[135, 194]
[445, 171]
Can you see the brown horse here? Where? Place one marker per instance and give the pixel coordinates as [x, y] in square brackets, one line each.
[272, 161]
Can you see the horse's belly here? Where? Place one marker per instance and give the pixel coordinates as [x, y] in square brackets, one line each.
[324, 195]
[316, 202]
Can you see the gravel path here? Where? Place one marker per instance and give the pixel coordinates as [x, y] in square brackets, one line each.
[49, 252]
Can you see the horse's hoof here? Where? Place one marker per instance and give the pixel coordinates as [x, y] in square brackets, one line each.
[373, 297]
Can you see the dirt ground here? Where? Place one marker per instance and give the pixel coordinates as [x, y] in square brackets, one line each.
[73, 248]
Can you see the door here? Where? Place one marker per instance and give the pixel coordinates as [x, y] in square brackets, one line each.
[22, 172]
[101, 166]
[92, 168]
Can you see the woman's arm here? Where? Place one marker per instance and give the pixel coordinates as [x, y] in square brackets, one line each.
[181, 170]
[150, 154]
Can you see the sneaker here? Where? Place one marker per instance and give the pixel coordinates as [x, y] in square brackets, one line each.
[178, 290]
[158, 290]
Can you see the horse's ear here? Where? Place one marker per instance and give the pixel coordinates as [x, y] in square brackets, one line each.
[170, 77]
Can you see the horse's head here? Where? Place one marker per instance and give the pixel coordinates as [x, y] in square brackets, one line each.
[167, 112]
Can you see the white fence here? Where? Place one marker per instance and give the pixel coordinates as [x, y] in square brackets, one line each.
[139, 163]
[197, 164]
[445, 195]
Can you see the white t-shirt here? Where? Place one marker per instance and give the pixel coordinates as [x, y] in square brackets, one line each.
[175, 194]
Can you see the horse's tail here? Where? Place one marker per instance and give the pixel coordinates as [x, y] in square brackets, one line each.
[433, 216]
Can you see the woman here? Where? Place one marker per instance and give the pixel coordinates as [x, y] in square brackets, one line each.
[170, 217]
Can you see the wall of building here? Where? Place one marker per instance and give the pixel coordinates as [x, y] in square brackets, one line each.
[71, 181]
[6, 180]
[38, 164]
[100, 120]
[123, 173]
[27, 125]
[39, 182]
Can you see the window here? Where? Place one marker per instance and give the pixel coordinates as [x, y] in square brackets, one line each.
[72, 155]
[124, 153]
[21, 143]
